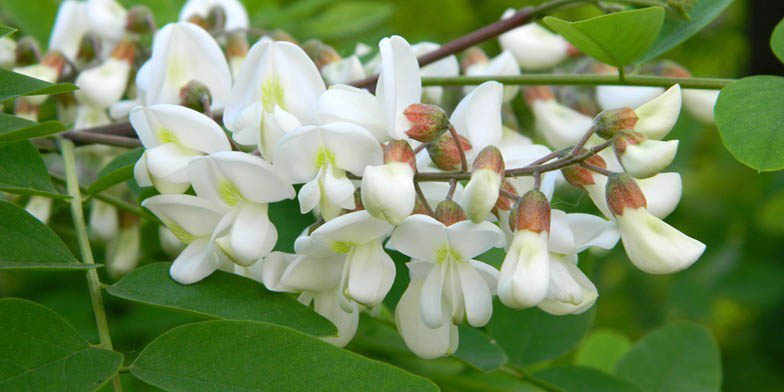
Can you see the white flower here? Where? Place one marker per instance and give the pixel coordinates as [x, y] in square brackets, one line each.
[193, 220]
[182, 52]
[236, 16]
[616, 97]
[478, 116]
[455, 287]
[642, 157]
[173, 135]
[40, 207]
[90, 116]
[447, 66]
[7, 52]
[122, 251]
[560, 125]
[40, 71]
[276, 90]
[534, 47]
[104, 223]
[517, 156]
[169, 242]
[346, 70]
[244, 185]
[700, 104]
[502, 65]
[319, 156]
[481, 193]
[107, 19]
[388, 191]
[657, 116]
[103, 85]
[69, 28]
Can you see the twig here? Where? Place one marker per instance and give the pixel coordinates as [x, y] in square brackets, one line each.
[460, 150]
[83, 137]
[508, 195]
[422, 199]
[581, 80]
[452, 188]
[597, 169]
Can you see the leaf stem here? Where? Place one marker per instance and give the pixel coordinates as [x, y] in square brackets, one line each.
[580, 80]
[108, 199]
[94, 283]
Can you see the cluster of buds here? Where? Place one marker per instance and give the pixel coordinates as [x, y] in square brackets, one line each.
[371, 167]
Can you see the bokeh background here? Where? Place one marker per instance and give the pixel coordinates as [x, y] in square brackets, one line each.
[736, 289]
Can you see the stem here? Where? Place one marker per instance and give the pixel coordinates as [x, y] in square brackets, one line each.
[581, 79]
[72, 183]
[621, 74]
[421, 196]
[460, 150]
[452, 188]
[537, 180]
[508, 195]
[108, 199]
[584, 139]
[596, 169]
[520, 374]
[83, 137]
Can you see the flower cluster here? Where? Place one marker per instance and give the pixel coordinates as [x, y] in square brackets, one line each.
[381, 170]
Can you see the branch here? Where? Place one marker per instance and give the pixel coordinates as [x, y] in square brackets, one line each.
[89, 137]
[581, 79]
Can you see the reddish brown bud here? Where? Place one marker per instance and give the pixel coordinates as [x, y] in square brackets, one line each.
[128, 220]
[428, 122]
[358, 206]
[321, 53]
[139, 20]
[444, 153]
[124, 50]
[216, 18]
[609, 122]
[448, 212]
[572, 51]
[622, 191]
[27, 51]
[531, 213]
[56, 60]
[399, 151]
[280, 35]
[26, 110]
[625, 138]
[200, 21]
[196, 95]
[578, 176]
[537, 93]
[473, 56]
[504, 203]
[419, 208]
[489, 158]
[236, 45]
[672, 69]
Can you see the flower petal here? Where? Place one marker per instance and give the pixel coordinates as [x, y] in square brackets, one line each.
[476, 294]
[316, 274]
[399, 83]
[188, 217]
[328, 304]
[194, 263]
[590, 230]
[418, 237]
[354, 228]
[472, 239]
[662, 192]
[252, 234]
[371, 273]
[657, 116]
[478, 115]
[431, 307]
[342, 103]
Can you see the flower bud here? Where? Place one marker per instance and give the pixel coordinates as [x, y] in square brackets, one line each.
[473, 56]
[622, 192]
[399, 151]
[23, 108]
[195, 95]
[281, 35]
[531, 213]
[642, 157]
[580, 177]
[140, 20]
[49, 70]
[610, 122]
[216, 19]
[504, 203]
[428, 122]
[481, 193]
[236, 51]
[537, 93]
[89, 49]
[103, 220]
[27, 51]
[444, 153]
[659, 115]
[388, 191]
[7, 52]
[448, 212]
[200, 21]
[321, 53]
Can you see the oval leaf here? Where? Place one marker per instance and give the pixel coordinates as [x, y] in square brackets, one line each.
[26, 243]
[479, 350]
[14, 129]
[5, 30]
[222, 295]
[531, 335]
[22, 171]
[13, 84]
[777, 41]
[678, 357]
[42, 352]
[617, 39]
[578, 379]
[751, 122]
[248, 355]
[677, 28]
[602, 349]
[118, 170]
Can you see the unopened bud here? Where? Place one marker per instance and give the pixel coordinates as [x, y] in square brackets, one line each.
[537, 93]
[428, 122]
[200, 21]
[139, 20]
[609, 122]
[504, 203]
[399, 151]
[280, 35]
[196, 95]
[448, 212]
[626, 138]
[236, 46]
[444, 153]
[481, 193]
[473, 56]
[623, 192]
[216, 18]
[642, 157]
[531, 213]
[27, 51]
[419, 208]
[89, 48]
[56, 61]
[578, 176]
[124, 51]
[489, 158]
[23, 108]
[321, 53]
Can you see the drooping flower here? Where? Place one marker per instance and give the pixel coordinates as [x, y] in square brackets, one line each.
[535, 47]
[104, 222]
[481, 193]
[105, 84]
[107, 19]
[69, 28]
[173, 136]
[123, 250]
[319, 156]
[236, 15]
[560, 125]
[642, 157]
[388, 190]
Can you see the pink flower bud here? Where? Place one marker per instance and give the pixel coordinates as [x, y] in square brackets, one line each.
[531, 213]
[399, 151]
[444, 153]
[473, 56]
[609, 122]
[489, 158]
[448, 212]
[578, 176]
[55, 60]
[236, 46]
[623, 192]
[125, 51]
[625, 138]
[428, 122]
[504, 203]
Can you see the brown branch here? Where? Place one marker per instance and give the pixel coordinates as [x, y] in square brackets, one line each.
[509, 195]
[421, 196]
[460, 150]
[81, 137]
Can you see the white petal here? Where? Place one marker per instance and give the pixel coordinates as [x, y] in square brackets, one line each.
[188, 217]
[589, 292]
[194, 263]
[399, 83]
[236, 16]
[615, 97]
[353, 146]
[104, 222]
[388, 191]
[649, 157]
[700, 104]
[659, 115]
[662, 192]
[502, 65]
[338, 189]
[307, 273]
[472, 239]
[590, 230]
[560, 125]
[188, 127]
[252, 235]
[561, 236]
[534, 47]
[371, 273]
[478, 115]
[476, 294]
[525, 273]
[69, 28]
[481, 194]
[328, 304]
[40, 207]
[448, 66]
[140, 172]
[418, 237]
[309, 196]
[272, 268]
[342, 103]
[169, 162]
[488, 273]
[431, 307]
[346, 70]
[354, 228]
[103, 85]
[106, 18]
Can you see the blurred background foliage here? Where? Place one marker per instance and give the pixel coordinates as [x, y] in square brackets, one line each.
[736, 289]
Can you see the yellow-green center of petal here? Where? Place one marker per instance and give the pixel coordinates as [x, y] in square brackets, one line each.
[180, 232]
[341, 246]
[324, 157]
[229, 193]
[446, 253]
[166, 136]
[272, 94]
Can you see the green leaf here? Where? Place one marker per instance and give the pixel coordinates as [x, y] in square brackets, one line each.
[26, 243]
[118, 170]
[769, 215]
[617, 39]
[601, 349]
[34, 17]
[531, 335]
[42, 352]
[679, 357]
[14, 129]
[14, 84]
[751, 122]
[248, 355]
[345, 19]
[222, 295]
[577, 379]
[23, 172]
[777, 41]
[5, 30]
[677, 29]
[479, 350]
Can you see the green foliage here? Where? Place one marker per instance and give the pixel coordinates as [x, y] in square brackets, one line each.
[14, 84]
[14, 129]
[23, 172]
[34, 17]
[221, 295]
[749, 118]
[601, 349]
[5, 30]
[120, 169]
[577, 378]
[617, 39]
[479, 350]
[777, 41]
[531, 335]
[677, 29]
[248, 355]
[770, 214]
[344, 19]
[41, 352]
[679, 357]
